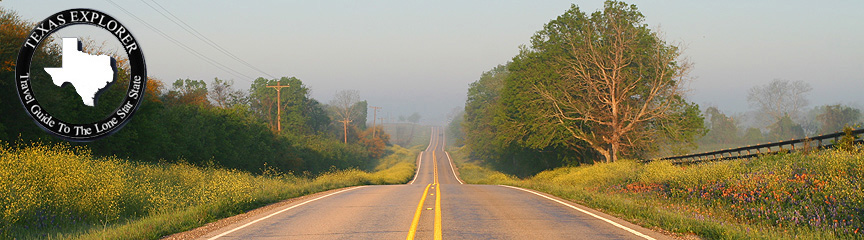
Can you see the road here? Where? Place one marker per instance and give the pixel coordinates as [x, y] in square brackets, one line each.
[434, 205]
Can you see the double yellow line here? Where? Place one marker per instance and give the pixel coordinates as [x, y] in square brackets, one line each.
[437, 199]
[416, 221]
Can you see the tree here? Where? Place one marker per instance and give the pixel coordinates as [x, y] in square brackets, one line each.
[16, 122]
[455, 129]
[753, 136]
[723, 129]
[414, 118]
[480, 109]
[785, 129]
[221, 93]
[779, 98]
[375, 145]
[298, 111]
[188, 92]
[677, 133]
[316, 117]
[616, 78]
[343, 106]
[834, 117]
[361, 109]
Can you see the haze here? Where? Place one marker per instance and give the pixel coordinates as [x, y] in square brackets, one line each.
[408, 56]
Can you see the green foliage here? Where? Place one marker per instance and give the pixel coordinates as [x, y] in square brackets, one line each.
[614, 84]
[679, 132]
[527, 115]
[753, 135]
[834, 118]
[722, 130]
[480, 132]
[221, 93]
[300, 113]
[317, 120]
[456, 131]
[187, 92]
[847, 142]
[215, 125]
[501, 128]
[60, 191]
[359, 120]
[799, 195]
[12, 34]
[785, 129]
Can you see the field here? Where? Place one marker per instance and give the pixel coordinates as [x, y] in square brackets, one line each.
[61, 192]
[816, 195]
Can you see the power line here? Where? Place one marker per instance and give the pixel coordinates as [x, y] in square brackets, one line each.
[187, 48]
[191, 30]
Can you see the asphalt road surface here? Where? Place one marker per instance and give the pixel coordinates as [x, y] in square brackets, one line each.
[434, 205]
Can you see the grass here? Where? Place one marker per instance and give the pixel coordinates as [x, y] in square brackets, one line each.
[816, 195]
[61, 192]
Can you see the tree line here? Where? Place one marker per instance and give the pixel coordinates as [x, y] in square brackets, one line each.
[193, 121]
[779, 110]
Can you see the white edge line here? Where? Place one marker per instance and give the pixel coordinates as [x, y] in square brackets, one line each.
[585, 212]
[280, 211]
[431, 135]
[452, 168]
[419, 162]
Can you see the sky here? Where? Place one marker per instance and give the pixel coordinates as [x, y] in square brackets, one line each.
[420, 56]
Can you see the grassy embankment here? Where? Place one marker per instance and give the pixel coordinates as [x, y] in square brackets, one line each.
[60, 192]
[817, 195]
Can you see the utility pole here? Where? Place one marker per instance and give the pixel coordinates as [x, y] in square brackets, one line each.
[345, 127]
[279, 105]
[374, 117]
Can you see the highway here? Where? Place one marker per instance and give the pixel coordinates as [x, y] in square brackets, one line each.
[434, 205]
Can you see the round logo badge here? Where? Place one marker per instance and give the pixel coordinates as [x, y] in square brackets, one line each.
[89, 75]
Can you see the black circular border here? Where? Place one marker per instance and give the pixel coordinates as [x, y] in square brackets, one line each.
[137, 70]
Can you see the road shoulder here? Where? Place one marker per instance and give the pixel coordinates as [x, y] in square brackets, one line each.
[649, 233]
[248, 216]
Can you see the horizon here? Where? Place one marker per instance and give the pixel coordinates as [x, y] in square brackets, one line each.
[393, 53]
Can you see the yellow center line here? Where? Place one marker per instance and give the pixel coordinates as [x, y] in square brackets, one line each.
[416, 220]
[438, 230]
[435, 168]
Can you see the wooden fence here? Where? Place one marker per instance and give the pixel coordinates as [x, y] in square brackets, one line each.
[766, 148]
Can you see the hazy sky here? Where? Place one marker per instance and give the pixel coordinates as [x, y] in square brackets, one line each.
[420, 56]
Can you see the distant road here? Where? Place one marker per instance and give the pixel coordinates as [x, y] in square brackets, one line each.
[435, 205]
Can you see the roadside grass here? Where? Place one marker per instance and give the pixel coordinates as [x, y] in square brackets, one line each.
[61, 192]
[816, 195]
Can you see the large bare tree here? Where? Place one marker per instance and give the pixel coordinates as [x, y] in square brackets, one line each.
[343, 107]
[618, 85]
[779, 98]
[221, 93]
